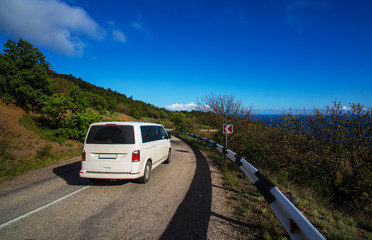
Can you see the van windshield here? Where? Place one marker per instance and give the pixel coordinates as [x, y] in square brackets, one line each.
[107, 134]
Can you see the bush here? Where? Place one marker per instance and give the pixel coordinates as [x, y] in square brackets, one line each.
[329, 151]
[337, 152]
[45, 152]
[77, 125]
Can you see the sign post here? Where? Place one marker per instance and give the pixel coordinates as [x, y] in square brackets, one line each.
[227, 129]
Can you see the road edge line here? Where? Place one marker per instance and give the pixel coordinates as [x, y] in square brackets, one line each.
[41, 208]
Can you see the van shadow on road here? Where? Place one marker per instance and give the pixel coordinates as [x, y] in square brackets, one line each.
[70, 173]
[192, 216]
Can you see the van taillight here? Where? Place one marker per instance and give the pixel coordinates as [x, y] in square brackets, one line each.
[136, 156]
[83, 156]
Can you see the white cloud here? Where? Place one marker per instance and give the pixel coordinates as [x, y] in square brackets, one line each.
[181, 107]
[139, 27]
[118, 35]
[345, 108]
[50, 23]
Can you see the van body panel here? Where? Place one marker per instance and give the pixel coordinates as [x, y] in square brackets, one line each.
[104, 175]
[162, 149]
[111, 158]
[109, 147]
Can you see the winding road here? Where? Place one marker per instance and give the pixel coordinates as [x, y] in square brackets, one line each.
[55, 203]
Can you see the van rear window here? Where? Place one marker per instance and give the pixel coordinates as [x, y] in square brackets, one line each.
[103, 134]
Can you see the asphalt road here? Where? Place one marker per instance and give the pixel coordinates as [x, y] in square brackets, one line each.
[55, 203]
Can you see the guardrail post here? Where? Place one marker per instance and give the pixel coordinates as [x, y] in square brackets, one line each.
[290, 197]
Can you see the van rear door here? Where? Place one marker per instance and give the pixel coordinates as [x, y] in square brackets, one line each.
[109, 148]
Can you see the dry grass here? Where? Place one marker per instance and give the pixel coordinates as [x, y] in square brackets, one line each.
[124, 117]
[22, 148]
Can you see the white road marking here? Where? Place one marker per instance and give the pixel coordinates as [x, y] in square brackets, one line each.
[41, 208]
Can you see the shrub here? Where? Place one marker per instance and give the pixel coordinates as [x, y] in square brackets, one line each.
[329, 151]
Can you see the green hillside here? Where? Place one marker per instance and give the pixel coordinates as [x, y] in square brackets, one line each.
[103, 100]
[64, 105]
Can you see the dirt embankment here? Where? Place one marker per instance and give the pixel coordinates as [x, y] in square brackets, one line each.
[20, 145]
[126, 118]
[21, 140]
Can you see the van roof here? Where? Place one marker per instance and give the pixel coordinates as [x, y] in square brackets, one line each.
[126, 123]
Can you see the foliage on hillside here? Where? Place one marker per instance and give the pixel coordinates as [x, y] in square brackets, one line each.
[329, 151]
[23, 76]
[100, 99]
[21, 150]
[338, 146]
[24, 82]
[65, 105]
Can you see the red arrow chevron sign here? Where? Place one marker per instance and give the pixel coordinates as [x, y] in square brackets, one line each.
[228, 128]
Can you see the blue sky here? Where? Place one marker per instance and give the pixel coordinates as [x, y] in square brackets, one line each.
[271, 54]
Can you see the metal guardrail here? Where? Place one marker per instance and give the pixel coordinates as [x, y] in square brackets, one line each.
[294, 222]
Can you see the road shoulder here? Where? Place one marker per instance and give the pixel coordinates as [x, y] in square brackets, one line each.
[223, 223]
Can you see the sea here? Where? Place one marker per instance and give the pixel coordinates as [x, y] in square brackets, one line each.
[270, 120]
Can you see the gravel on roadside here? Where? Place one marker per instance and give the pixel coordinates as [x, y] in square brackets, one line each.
[223, 223]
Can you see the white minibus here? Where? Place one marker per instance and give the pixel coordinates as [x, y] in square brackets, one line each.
[124, 150]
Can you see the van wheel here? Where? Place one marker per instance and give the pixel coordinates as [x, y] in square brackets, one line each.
[169, 157]
[146, 175]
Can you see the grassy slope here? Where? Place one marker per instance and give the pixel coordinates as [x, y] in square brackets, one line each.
[22, 150]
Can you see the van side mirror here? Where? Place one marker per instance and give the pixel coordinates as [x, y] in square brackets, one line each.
[169, 136]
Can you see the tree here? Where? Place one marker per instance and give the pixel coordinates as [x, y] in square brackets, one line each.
[24, 77]
[223, 108]
[24, 55]
[180, 122]
[226, 109]
[55, 109]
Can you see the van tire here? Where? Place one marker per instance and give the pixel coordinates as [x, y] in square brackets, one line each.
[169, 157]
[147, 173]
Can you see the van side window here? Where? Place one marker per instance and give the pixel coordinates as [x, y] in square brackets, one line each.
[163, 134]
[148, 133]
[152, 133]
[111, 135]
